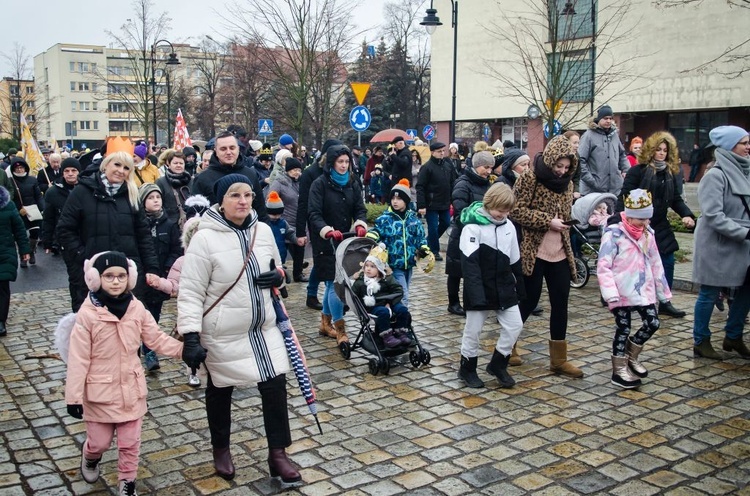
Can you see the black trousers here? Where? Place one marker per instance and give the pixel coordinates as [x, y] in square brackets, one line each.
[557, 276]
[454, 283]
[275, 412]
[4, 300]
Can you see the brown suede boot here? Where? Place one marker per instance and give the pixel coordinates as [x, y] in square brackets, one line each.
[340, 327]
[326, 327]
[558, 360]
[515, 359]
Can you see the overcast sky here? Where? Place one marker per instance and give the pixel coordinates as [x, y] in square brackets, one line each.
[86, 22]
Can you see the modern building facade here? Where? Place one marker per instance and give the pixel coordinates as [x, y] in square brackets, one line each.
[664, 48]
[16, 96]
[89, 92]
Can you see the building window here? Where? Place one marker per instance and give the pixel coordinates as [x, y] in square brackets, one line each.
[15, 90]
[95, 106]
[29, 90]
[30, 104]
[83, 67]
[691, 128]
[96, 125]
[72, 86]
[73, 105]
[516, 130]
[573, 19]
[31, 118]
[84, 125]
[72, 66]
[84, 87]
[569, 75]
[83, 106]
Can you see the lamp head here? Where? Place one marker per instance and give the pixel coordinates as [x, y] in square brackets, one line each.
[173, 60]
[431, 21]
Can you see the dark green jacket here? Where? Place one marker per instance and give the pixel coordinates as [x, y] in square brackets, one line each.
[12, 233]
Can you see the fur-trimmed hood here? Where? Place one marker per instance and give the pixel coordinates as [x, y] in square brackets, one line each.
[559, 147]
[596, 127]
[4, 197]
[190, 228]
[652, 142]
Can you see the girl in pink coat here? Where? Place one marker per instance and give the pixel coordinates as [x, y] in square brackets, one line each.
[631, 278]
[105, 378]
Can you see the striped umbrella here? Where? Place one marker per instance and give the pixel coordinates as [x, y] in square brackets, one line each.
[296, 356]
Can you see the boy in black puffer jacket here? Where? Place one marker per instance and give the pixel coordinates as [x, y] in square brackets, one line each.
[168, 247]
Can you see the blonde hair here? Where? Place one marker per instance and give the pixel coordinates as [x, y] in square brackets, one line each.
[124, 159]
[499, 197]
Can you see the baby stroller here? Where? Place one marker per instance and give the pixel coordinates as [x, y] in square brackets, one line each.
[590, 235]
[350, 255]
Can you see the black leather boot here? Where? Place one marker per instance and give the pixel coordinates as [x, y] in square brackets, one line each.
[467, 372]
[666, 308]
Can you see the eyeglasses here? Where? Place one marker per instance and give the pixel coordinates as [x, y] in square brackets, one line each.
[744, 143]
[237, 195]
[112, 277]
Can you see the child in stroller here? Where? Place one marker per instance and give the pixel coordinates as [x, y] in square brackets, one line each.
[381, 295]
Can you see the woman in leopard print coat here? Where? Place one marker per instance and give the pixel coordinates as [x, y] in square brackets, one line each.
[544, 198]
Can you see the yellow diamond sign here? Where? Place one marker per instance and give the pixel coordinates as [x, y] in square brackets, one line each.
[360, 91]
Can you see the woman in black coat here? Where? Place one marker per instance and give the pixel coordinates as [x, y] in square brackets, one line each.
[334, 204]
[175, 186]
[659, 173]
[469, 188]
[28, 193]
[102, 214]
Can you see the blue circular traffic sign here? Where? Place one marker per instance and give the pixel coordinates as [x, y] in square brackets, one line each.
[556, 129]
[360, 118]
[428, 132]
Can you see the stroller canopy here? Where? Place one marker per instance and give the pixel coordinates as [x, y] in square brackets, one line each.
[585, 205]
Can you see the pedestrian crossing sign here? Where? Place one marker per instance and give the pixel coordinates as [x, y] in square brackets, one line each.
[265, 127]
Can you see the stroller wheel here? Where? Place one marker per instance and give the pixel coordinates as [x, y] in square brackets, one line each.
[385, 366]
[582, 273]
[414, 358]
[346, 350]
[425, 356]
[373, 366]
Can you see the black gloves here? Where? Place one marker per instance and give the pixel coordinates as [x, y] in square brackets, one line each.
[75, 411]
[271, 279]
[193, 354]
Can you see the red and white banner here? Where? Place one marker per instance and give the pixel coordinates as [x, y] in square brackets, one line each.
[181, 135]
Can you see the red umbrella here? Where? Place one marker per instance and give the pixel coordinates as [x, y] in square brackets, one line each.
[387, 135]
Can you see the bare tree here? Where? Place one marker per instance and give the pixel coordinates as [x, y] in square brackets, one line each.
[212, 70]
[307, 41]
[129, 82]
[732, 61]
[251, 87]
[553, 50]
[17, 99]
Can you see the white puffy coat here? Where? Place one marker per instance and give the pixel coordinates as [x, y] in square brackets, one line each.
[244, 345]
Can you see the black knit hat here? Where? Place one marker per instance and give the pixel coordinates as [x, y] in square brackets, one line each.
[604, 111]
[293, 163]
[222, 185]
[70, 163]
[110, 259]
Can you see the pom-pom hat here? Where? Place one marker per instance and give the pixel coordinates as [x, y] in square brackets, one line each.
[378, 256]
[638, 204]
[402, 190]
[274, 204]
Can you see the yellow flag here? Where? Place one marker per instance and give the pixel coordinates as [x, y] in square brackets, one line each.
[31, 152]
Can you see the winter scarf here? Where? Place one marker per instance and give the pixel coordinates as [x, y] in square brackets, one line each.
[177, 180]
[548, 179]
[117, 305]
[373, 286]
[111, 188]
[634, 231]
[339, 179]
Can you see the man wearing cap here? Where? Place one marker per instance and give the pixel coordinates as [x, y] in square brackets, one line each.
[400, 162]
[224, 161]
[191, 159]
[434, 186]
[50, 174]
[603, 159]
[54, 201]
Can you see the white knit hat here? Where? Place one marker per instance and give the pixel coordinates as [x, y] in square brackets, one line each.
[638, 204]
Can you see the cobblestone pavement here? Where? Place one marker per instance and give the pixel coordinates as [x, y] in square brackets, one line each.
[686, 431]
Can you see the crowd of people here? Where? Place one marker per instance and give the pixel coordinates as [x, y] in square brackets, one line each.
[136, 225]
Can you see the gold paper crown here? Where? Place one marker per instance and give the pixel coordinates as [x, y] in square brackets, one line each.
[379, 252]
[119, 144]
[637, 199]
[266, 151]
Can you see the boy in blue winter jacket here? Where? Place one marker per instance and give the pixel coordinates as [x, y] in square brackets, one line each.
[377, 182]
[283, 233]
[399, 229]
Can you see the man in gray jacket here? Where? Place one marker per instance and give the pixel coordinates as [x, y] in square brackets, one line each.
[603, 160]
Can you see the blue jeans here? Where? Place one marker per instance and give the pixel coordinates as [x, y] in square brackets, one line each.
[668, 262]
[312, 283]
[403, 277]
[437, 222]
[331, 304]
[704, 305]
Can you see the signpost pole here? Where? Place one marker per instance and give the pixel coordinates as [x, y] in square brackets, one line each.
[359, 138]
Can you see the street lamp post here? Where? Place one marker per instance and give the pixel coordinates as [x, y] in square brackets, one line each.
[431, 21]
[172, 60]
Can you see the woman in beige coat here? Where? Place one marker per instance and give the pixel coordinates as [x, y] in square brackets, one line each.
[225, 307]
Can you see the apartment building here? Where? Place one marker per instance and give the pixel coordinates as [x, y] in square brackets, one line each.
[664, 48]
[87, 92]
[16, 97]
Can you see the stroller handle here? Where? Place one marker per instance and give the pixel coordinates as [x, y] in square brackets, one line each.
[346, 235]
